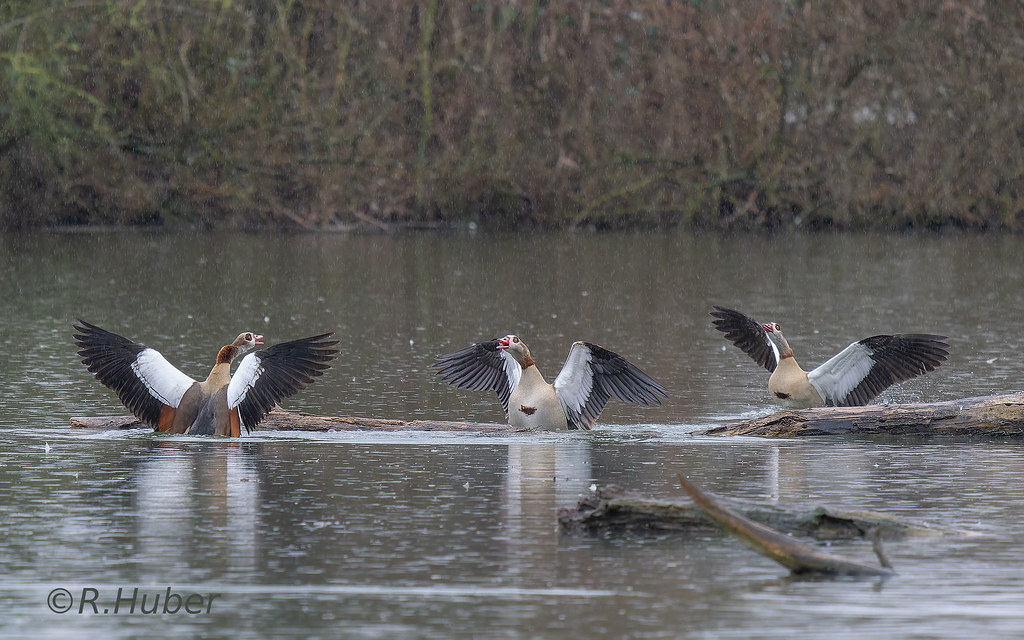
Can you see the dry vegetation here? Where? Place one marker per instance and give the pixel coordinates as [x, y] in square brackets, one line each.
[318, 114]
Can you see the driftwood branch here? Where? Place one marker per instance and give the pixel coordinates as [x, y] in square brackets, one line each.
[612, 508]
[799, 557]
[993, 416]
[280, 420]
[998, 416]
[768, 529]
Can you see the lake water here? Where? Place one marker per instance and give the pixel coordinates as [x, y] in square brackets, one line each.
[428, 535]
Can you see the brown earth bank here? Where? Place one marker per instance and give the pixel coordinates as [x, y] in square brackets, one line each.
[615, 114]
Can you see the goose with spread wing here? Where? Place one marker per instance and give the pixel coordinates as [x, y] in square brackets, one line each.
[164, 398]
[852, 377]
[590, 376]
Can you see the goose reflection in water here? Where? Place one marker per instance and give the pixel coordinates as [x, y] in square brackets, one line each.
[198, 509]
[540, 479]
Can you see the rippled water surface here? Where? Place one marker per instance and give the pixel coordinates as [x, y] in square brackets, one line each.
[415, 534]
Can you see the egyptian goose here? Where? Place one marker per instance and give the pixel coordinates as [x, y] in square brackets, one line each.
[166, 399]
[590, 376]
[852, 377]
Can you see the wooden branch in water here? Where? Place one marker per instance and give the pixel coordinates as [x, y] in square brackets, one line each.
[799, 557]
[999, 416]
[280, 420]
[767, 529]
[613, 508]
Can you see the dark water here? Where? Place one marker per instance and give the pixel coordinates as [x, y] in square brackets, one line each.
[445, 535]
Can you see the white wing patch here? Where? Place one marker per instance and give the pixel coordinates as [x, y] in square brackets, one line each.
[576, 379]
[248, 372]
[513, 372]
[836, 378]
[165, 382]
[775, 347]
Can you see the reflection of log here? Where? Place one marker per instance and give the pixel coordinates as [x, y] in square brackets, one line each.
[799, 557]
[984, 416]
[280, 420]
[613, 508]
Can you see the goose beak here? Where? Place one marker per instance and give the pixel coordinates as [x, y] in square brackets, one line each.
[503, 343]
[259, 339]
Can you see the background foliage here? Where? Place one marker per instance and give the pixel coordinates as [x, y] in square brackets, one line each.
[322, 114]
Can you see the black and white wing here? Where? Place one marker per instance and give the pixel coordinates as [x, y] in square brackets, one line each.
[144, 380]
[481, 367]
[861, 371]
[591, 375]
[748, 335]
[264, 378]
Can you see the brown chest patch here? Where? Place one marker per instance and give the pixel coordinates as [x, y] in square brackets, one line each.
[166, 420]
[782, 396]
[527, 410]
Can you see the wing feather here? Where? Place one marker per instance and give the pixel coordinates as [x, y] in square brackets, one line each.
[748, 335]
[266, 377]
[481, 367]
[592, 375]
[859, 373]
[141, 377]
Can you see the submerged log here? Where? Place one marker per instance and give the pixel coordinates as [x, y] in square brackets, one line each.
[993, 416]
[799, 557]
[281, 420]
[612, 508]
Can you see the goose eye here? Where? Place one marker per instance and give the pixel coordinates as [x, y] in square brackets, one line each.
[778, 327]
[248, 336]
[515, 339]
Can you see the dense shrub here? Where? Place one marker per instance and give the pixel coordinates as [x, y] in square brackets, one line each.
[321, 114]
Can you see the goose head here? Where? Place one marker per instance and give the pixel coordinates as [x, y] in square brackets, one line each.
[516, 348]
[773, 328]
[247, 340]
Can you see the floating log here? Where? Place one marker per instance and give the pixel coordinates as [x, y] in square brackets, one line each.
[799, 557]
[281, 420]
[991, 416]
[613, 508]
